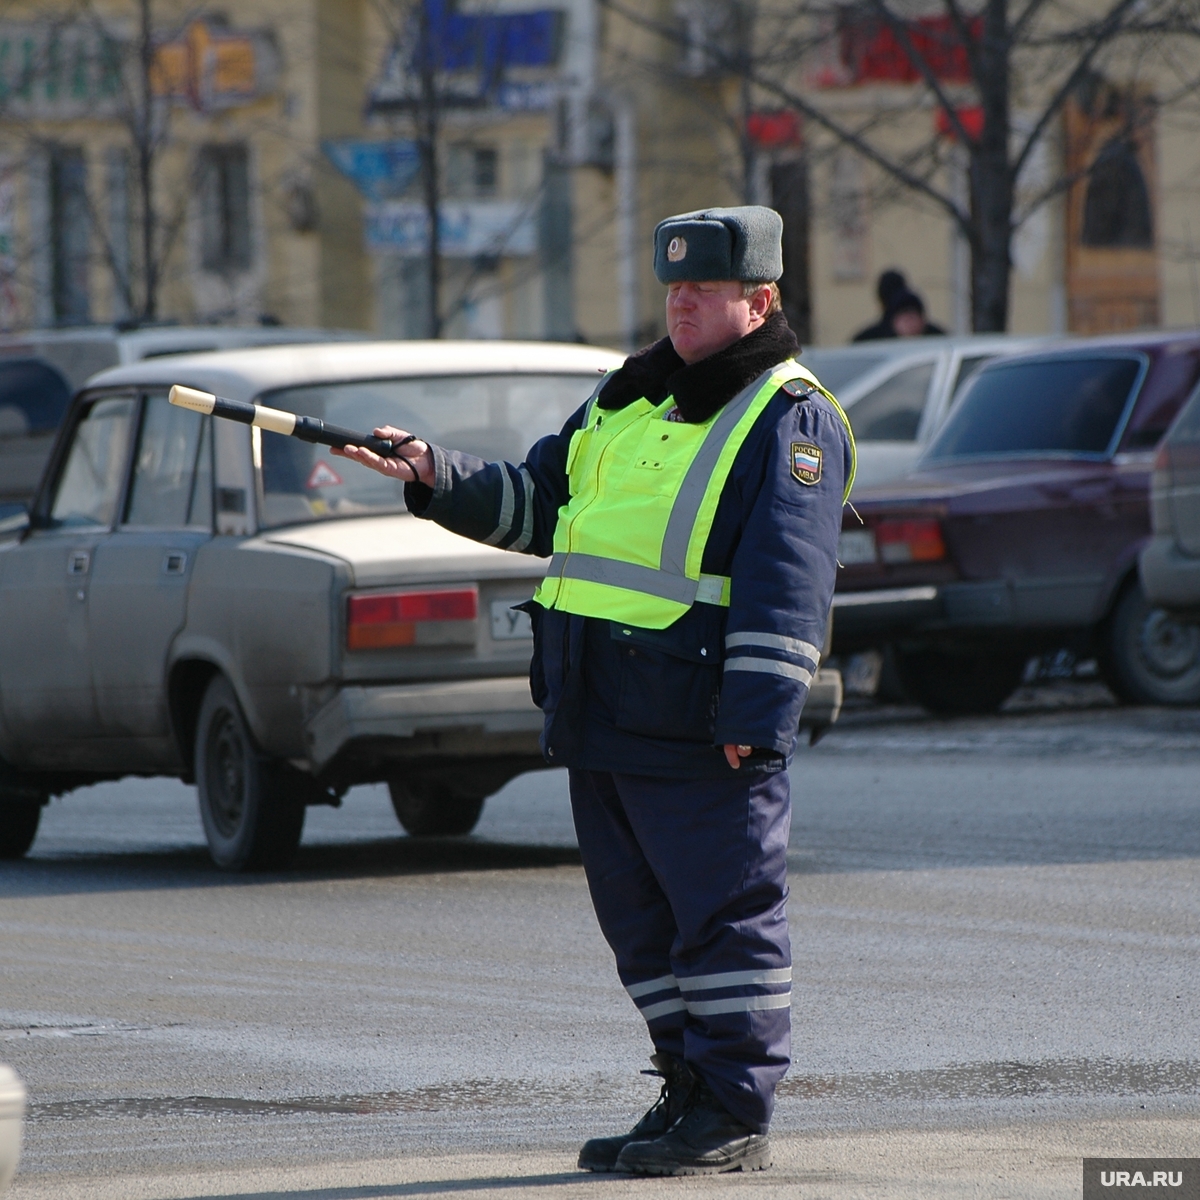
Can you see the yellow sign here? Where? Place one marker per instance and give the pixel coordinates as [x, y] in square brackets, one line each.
[211, 67]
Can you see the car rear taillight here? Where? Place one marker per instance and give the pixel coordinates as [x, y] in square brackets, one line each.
[909, 541]
[1162, 460]
[396, 618]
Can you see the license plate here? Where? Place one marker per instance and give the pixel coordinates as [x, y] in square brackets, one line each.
[856, 546]
[507, 623]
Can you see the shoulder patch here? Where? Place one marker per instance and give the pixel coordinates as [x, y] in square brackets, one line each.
[806, 463]
[798, 389]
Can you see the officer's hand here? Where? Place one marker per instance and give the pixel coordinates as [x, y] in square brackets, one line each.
[735, 754]
[413, 463]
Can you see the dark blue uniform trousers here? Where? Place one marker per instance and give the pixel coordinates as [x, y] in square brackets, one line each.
[689, 881]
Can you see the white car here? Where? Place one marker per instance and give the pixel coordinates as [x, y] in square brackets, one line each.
[40, 369]
[202, 599]
[898, 391]
[12, 1111]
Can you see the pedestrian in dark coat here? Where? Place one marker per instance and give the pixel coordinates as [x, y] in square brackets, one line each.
[903, 312]
[691, 511]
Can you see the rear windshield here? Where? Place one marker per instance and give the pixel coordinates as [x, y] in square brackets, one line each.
[33, 397]
[836, 369]
[492, 416]
[1058, 406]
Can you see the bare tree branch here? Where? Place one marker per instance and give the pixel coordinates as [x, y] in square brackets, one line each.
[1017, 29]
[900, 30]
[1066, 182]
[798, 102]
[963, 28]
[1068, 85]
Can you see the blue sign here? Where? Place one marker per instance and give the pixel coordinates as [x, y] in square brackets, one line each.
[380, 170]
[476, 50]
[489, 41]
[466, 228]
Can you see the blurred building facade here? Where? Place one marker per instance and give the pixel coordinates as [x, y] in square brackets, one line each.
[278, 154]
[189, 163]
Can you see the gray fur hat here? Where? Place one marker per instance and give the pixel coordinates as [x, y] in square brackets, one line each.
[744, 244]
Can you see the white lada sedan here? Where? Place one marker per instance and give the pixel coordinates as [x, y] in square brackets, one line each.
[202, 599]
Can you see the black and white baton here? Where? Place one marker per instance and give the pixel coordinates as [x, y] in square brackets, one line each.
[307, 429]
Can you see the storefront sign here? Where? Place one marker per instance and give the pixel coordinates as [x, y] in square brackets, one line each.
[52, 70]
[68, 69]
[213, 68]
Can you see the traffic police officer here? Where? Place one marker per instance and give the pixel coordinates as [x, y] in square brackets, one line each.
[690, 510]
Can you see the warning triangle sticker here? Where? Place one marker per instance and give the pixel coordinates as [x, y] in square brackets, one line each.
[323, 475]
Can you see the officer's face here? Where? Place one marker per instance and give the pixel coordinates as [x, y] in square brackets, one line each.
[703, 318]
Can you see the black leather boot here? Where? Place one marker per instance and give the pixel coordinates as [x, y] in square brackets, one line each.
[600, 1154]
[706, 1140]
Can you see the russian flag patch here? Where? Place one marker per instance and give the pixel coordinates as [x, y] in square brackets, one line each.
[806, 462]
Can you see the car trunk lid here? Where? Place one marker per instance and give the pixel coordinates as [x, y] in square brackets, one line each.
[401, 549]
[423, 603]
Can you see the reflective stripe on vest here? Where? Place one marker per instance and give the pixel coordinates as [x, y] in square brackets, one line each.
[637, 557]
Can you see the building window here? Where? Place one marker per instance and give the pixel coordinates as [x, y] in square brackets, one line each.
[789, 198]
[225, 208]
[472, 172]
[704, 35]
[485, 170]
[1116, 209]
[848, 211]
[119, 261]
[70, 235]
[1112, 278]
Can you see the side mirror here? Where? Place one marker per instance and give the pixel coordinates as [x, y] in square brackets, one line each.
[14, 520]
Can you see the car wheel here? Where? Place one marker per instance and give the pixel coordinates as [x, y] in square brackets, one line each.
[1150, 658]
[953, 685]
[252, 817]
[428, 809]
[18, 827]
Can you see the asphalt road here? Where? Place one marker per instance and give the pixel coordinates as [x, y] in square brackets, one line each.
[995, 929]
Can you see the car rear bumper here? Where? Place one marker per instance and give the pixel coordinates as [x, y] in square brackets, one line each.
[475, 717]
[869, 617]
[885, 612]
[823, 705]
[1170, 578]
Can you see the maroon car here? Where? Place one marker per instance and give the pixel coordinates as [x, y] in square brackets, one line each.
[1020, 529]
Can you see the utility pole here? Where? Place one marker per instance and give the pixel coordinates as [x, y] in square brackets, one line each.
[144, 144]
[429, 55]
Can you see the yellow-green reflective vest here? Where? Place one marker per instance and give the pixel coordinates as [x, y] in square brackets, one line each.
[643, 495]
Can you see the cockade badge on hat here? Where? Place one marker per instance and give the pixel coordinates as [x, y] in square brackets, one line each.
[676, 249]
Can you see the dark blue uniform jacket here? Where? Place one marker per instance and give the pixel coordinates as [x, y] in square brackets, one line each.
[658, 702]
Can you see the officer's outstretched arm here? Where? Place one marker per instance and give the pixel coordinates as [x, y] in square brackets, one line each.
[783, 574]
[510, 506]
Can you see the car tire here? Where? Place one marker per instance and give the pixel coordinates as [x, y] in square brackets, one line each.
[253, 814]
[429, 809]
[957, 685]
[18, 827]
[1148, 657]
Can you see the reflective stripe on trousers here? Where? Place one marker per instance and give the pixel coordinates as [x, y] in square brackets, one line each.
[689, 882]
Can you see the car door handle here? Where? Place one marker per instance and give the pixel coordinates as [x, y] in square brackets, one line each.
[175, 563]
[78, 562]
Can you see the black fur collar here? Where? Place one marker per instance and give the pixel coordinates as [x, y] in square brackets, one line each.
[701, 389]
